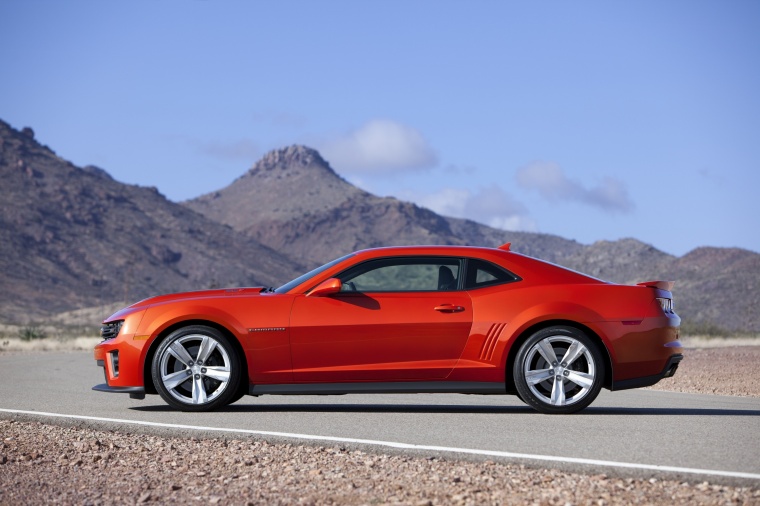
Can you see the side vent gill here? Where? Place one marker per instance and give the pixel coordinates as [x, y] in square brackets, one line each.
[489, 345]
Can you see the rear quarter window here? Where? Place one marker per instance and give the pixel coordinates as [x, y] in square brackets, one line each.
[480, 273]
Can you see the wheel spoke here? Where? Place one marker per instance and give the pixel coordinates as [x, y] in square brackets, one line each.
[207, 346]
[539, 375]
[180, 353]
[547, 351]
[558, 393]
[582, 379]
[175, 379]
[576, 350]
[218, 373]
[199, 391]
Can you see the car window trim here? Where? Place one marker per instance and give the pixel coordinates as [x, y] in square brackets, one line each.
[460, 279]
[468, 261]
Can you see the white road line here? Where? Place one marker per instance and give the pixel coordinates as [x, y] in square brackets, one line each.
[393, 444]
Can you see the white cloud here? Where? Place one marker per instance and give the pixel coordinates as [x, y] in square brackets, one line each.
[514, 223]
[448, 202]
[551, 183]
[491, 206]
[380, 146]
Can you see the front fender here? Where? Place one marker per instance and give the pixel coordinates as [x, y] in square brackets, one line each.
[159, 318]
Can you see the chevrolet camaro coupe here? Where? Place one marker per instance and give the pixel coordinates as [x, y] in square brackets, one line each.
[419, 319]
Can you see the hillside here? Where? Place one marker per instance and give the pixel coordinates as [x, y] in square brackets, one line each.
[292, 200]
[72, 237]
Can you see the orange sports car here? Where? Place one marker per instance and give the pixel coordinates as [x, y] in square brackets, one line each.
[419, 319]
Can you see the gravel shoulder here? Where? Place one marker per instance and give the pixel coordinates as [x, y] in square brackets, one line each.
[716, 370]
[43, 464]
[58, 464]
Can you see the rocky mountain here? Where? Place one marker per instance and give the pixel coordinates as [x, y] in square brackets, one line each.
[293, 201]
[72, 237]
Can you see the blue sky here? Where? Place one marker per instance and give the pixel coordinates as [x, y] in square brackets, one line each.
[590, 120]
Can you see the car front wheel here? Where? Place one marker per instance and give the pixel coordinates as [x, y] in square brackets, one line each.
[196, 368]
[558, 370]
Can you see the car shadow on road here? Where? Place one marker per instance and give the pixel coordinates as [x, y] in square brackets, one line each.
[456, 409]
[355, 408]
[591, 410]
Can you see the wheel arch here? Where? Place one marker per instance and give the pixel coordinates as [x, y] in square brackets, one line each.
[525, 334]
[150, 388]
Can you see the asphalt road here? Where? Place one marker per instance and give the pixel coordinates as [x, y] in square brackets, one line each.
[651, 428]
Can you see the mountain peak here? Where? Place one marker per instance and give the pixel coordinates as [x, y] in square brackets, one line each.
[284, 184]
[290, 158]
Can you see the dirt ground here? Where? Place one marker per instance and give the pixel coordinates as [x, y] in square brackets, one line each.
[716, 370]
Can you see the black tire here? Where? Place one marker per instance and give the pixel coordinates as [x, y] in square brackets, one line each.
[196, 368]
[241, 392]
[548, 383]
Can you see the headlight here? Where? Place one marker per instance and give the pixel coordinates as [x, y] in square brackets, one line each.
[111, 329]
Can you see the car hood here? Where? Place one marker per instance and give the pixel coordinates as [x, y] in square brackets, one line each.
[201, 294]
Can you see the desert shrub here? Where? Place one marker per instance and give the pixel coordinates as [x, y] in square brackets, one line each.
[703, 328]
[30, 332]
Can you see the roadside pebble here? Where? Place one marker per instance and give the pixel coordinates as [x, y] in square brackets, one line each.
[289, 474]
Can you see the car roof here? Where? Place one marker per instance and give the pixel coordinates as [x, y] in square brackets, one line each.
[443, 250]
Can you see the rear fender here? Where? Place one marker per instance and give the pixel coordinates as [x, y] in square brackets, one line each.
[535, 318]
[566, 311]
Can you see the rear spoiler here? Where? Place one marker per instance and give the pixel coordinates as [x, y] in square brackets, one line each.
[662, 285]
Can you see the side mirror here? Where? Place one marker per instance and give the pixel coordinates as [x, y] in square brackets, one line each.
[326, 287]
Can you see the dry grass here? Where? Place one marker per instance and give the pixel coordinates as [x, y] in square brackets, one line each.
[81, 343]
[702, 342]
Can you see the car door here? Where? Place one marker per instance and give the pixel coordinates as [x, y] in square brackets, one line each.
[395, 319]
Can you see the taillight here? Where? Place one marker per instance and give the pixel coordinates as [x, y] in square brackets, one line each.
[666, 304]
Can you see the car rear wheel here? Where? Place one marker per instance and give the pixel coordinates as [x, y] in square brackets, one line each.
[558, 370]
[196, 368]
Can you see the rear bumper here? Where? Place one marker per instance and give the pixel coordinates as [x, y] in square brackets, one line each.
[669, 370]
[641, 348]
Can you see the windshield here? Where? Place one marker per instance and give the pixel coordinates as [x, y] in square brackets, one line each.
[300, 279]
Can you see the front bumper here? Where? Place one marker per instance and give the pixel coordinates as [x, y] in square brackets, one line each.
[121, 359]
[134, 392]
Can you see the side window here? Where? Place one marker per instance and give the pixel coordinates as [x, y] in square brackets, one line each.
[481, 273]
[408, 274]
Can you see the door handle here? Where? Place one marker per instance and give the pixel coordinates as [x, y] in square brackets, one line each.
[449, 308]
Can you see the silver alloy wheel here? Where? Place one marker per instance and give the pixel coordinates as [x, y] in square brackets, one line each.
[195, 369]
[559, 370]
